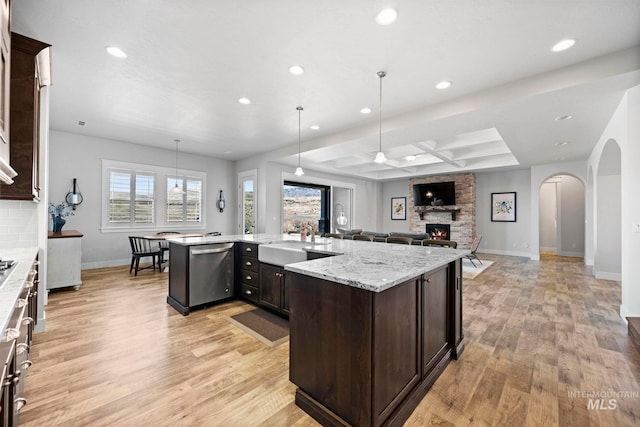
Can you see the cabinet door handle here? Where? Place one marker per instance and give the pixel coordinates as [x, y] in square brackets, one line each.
[247, 278]
[248, 292]
[26, 364]
[27, 320]
[22, 347]
[248, 249]
[429, 280]
[248, 263]
[20, 402]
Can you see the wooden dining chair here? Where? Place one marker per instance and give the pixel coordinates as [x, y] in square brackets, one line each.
[399, 240]
[164, 245]
[365, 237]
[334, 235]
[142, 248]
[442, 243]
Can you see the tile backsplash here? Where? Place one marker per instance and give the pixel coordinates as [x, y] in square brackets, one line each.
[18, 224]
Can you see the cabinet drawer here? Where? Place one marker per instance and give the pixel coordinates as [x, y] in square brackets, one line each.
[250, 278]
[248, 249]
[249, 292]
[249, 264]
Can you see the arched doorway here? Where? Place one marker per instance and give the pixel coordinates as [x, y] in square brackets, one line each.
[561, 216]
[608, 203]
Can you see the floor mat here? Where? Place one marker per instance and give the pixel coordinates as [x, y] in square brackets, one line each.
[262, 325]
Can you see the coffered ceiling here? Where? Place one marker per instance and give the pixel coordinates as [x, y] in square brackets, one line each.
[190, 62]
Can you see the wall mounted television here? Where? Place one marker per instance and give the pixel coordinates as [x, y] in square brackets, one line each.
[435, 194]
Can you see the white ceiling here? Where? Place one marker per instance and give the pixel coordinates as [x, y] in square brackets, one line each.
[189, 62]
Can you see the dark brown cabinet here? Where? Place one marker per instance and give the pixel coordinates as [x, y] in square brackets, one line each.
[5, 73]
[435, 319]
[14, 351]
[367, 358]
[270, 286]
[457, 332]
[29, 72]
[247, 271]
[273, 289]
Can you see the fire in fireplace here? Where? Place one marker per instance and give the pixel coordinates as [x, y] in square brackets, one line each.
[439, 231]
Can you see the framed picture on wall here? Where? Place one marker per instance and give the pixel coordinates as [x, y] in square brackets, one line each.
[399, 208]
[503, 207]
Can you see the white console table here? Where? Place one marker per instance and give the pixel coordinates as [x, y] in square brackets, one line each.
[64, 259]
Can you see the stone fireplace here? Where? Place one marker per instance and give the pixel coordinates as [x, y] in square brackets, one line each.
[460, 218]
[439, 231]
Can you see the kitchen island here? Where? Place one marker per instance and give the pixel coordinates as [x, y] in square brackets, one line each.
[372, 326]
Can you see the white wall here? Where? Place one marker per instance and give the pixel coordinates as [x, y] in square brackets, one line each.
[624, 129]
[504, 238]
[539, 174]
[571, 211]
[548, 211]
[76, 156]
[393, 189]
[608, 254]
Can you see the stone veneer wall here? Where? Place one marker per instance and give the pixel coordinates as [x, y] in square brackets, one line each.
[463, 229]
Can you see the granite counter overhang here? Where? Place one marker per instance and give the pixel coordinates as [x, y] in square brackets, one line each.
[371, 266]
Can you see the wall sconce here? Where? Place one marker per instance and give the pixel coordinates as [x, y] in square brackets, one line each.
[74, 197]
[220, 203]
[341, 220]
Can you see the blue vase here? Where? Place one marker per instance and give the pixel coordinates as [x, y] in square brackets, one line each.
[58, 223]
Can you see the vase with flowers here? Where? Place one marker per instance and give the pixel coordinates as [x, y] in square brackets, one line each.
[58, 214]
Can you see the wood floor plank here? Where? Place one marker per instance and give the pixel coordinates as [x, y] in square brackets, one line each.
[538, 335]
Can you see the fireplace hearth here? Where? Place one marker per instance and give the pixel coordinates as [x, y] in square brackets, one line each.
[439, 231]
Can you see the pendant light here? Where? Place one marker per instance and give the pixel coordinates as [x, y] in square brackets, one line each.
[176, 189]
[299, 171]
[380, 158]
[342, 219]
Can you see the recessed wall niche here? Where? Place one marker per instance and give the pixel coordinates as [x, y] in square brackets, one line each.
[463, 229]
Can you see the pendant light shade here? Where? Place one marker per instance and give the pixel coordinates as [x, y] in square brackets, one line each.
[342, 219]
[380, 157]
[299, 171]
[176, 189]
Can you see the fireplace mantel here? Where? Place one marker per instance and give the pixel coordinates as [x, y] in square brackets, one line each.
[435, 209]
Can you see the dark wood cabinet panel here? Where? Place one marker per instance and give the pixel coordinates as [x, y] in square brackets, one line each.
[247, 271]
[435, 323]
[457, 332]
[270, 286]
[396, 351]
[24, 128]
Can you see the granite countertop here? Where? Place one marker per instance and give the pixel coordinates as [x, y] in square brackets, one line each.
[13, 286]
[373, 266]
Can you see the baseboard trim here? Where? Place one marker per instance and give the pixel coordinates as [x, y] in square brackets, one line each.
[606, 275]
[507, 253]
[105, 264]
[572, 254]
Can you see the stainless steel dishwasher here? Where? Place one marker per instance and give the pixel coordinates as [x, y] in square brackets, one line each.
[210, 273]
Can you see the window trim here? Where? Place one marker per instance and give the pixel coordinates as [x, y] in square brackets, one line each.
[161, 174]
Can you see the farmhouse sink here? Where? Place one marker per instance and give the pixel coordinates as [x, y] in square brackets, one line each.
[285, 252]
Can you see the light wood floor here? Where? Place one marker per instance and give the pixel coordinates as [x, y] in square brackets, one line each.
[537, 333]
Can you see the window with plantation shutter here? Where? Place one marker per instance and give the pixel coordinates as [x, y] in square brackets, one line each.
[142, 198]
[131, 197]
[184, 206]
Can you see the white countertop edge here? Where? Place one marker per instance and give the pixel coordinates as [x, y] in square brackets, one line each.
[13, 286]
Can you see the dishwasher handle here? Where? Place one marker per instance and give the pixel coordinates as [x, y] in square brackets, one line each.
[210, 251]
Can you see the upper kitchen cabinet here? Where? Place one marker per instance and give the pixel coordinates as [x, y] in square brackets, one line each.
[6, 172]
[30, 71]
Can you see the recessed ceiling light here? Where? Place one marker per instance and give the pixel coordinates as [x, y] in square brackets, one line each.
[296, 70]
[567, 117]
[410, 158]
[315, 127]
[561, 143]
[387, 16]
[563, 45]
[366, 110]
[560, 158]
[81, 122]
[244, 101]
[443, 84]
[116, 51]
